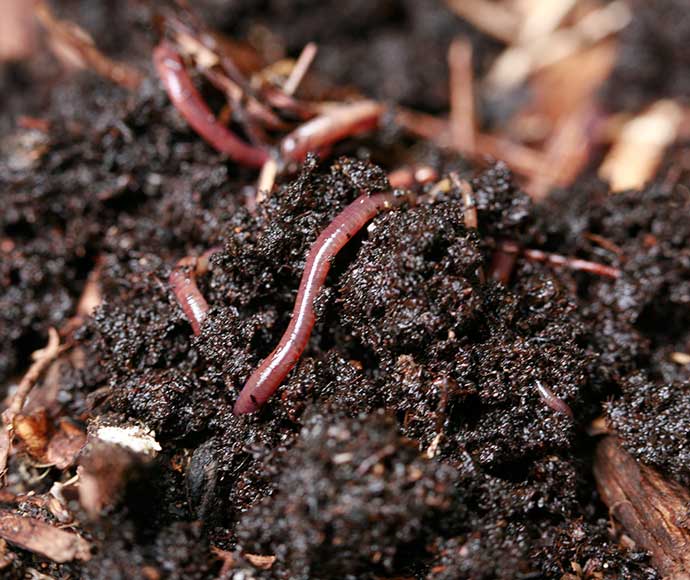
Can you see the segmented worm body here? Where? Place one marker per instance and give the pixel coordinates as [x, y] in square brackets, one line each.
[183, 284]
[552, 401]
[339, 122]
[188, 101]
[272, 371]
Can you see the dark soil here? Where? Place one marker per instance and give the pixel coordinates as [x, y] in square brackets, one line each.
[411, 439]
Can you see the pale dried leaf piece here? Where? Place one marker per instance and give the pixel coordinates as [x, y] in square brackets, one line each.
[492, 18]
[636, 154]
[543, 17]
[259, 561]
[43, 539]
[135, 438]
[518, 62]
[33, 431]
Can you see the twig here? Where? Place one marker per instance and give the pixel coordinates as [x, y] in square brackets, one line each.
[465, 189]
[267, 179]
[462, 115]
[300, 69]
[42, 358]
[74, 45]
[565, 154]
[650, 508]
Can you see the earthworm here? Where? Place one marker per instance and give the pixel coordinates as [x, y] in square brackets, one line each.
[503, 262]
[338, 122]
[264, 381]
[552, 401]
[507, 252]
[183, 283]
[188, 101]
[572, 263]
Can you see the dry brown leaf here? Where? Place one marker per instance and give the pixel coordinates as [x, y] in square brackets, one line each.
[33, 432]
[44, 539]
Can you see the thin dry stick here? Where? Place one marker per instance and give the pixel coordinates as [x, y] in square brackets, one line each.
[565, 153]
[74, 45]
[42, 359]
[462, 121]
[267, 179]
[471, 221]
[300, 69]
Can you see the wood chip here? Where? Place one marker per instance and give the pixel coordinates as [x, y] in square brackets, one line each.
[650, 508]
[44, 539]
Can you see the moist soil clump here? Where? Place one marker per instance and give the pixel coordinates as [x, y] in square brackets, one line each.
[443, 419]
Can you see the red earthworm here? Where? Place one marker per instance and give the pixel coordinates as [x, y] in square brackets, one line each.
[264, 381]
[192, 107]
[507, 252]
[501, 269]
[503, 262]
[573, 263]
[183, 283]
[552, 401]
[338, 122]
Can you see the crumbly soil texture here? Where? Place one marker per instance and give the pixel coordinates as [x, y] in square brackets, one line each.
[413, 438]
